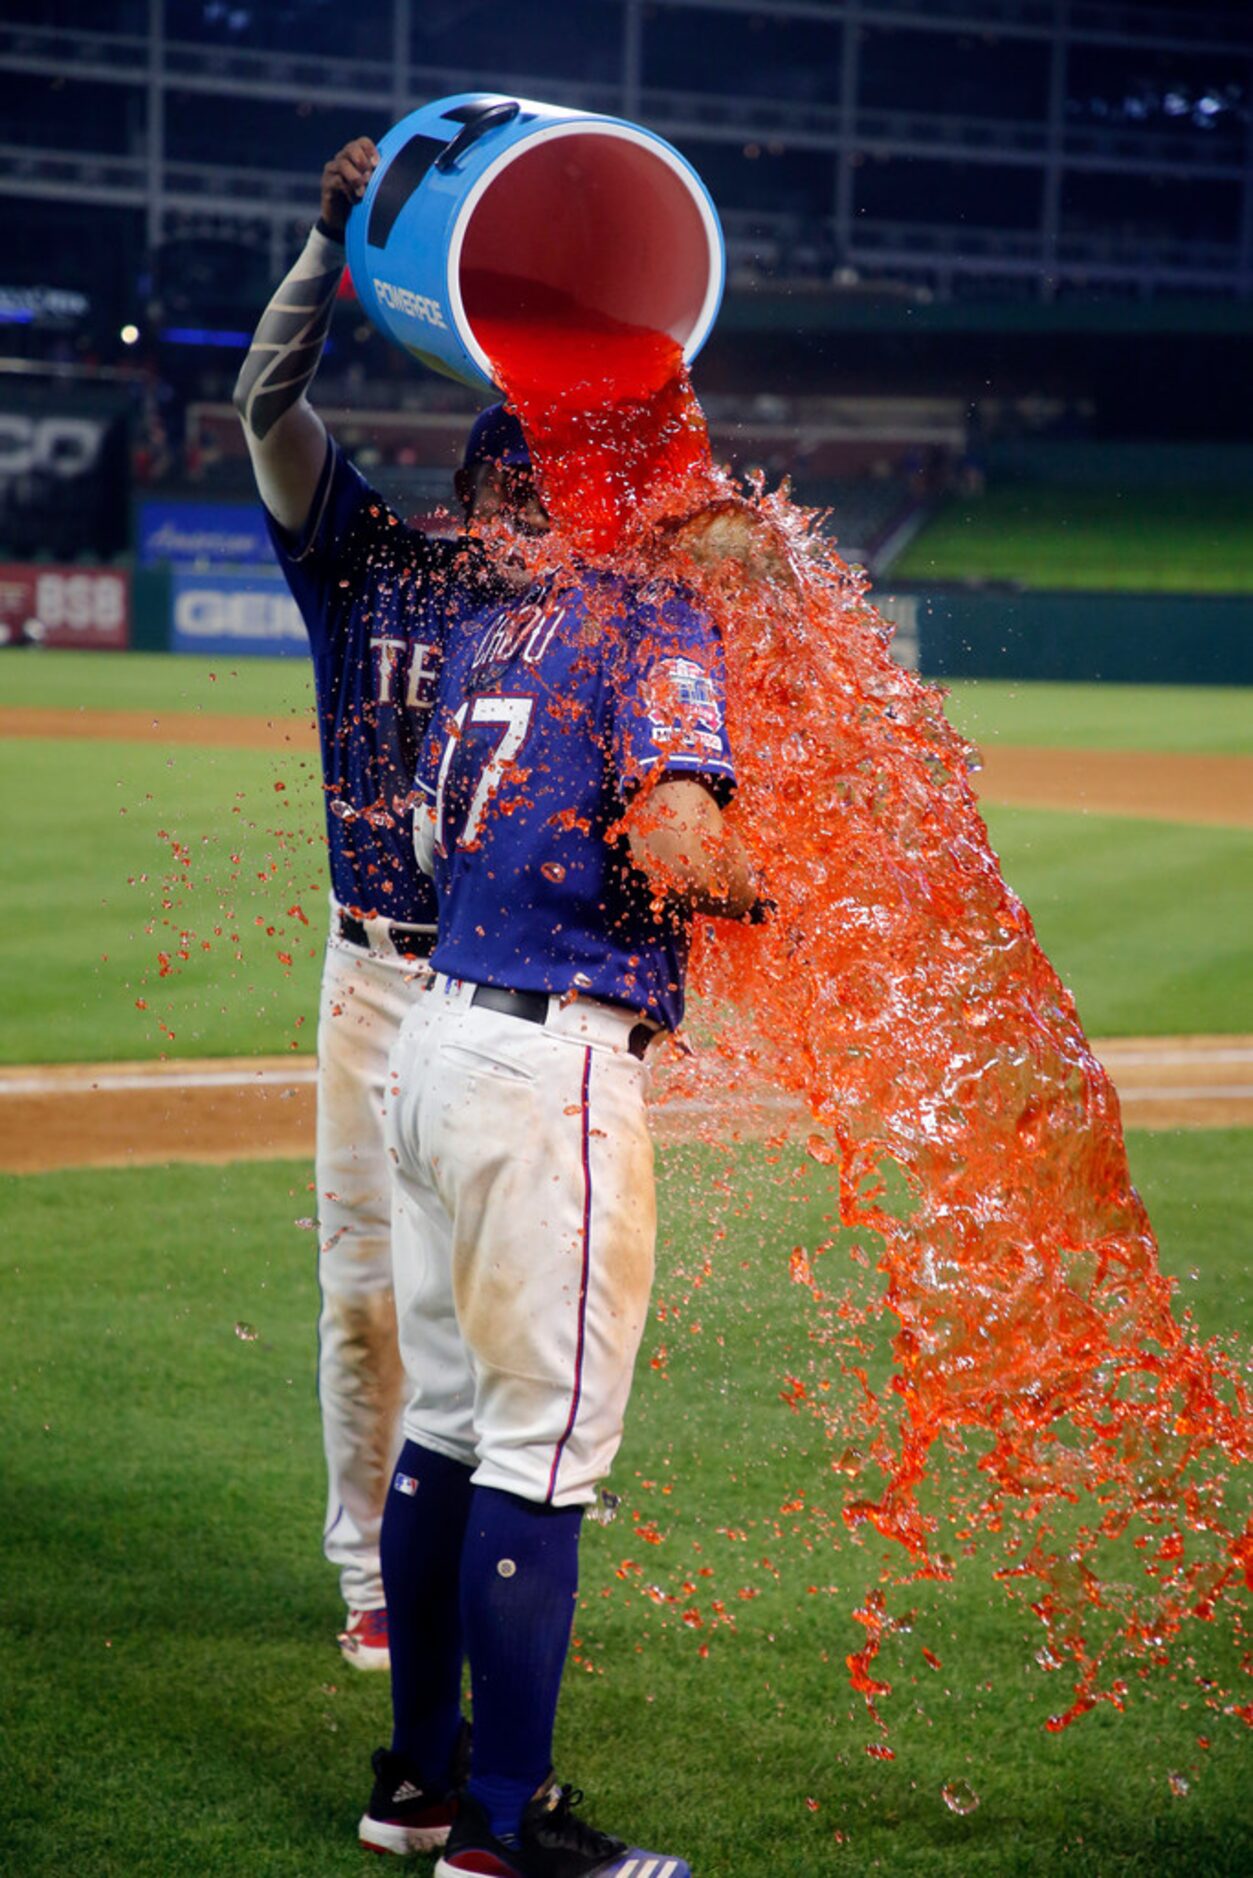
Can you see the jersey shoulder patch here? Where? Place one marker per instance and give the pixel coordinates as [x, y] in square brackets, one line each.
[683, 706]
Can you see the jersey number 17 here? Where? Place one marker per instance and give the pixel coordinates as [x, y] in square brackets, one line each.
[509, 719]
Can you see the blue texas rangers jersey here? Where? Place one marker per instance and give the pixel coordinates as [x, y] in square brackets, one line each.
[377, 598]
[552, 709]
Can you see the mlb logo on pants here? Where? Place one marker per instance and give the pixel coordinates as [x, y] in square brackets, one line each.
[405, 1483]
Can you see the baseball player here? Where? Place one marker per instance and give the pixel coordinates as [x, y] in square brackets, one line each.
[377, 599]
[572, 785]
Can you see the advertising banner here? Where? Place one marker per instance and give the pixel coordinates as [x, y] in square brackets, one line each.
[64, 470]
[66, 606]
[243, 614]
[202, 534]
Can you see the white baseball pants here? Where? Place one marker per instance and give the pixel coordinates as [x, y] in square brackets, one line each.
[361, 1384]
[523, 1235]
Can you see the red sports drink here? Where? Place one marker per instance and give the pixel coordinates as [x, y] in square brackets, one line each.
[1041, 1380]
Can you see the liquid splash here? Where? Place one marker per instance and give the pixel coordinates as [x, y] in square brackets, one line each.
[902, 995]
[608, 411]
[1043, 1397]
[211, 906]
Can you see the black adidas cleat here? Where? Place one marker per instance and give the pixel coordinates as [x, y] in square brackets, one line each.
[405, 1815]
[552, 1842]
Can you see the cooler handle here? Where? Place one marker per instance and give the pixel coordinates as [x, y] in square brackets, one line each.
[470, 132]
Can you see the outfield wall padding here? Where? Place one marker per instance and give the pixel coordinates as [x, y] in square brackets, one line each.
[958, 632]
[150, 609]
[1153, 639]
[1080, 463]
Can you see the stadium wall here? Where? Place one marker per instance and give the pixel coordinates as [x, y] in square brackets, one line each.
[953, 632]
[150, 616]
[1163, 639]
[1086, 463]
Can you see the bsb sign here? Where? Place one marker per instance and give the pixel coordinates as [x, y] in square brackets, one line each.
[67, 606]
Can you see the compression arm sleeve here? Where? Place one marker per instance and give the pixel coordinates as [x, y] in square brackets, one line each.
[286, 437]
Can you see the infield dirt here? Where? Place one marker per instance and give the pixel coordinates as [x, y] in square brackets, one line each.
[261, 1108]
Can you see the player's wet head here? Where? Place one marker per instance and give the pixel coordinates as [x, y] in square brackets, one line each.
[496, 478]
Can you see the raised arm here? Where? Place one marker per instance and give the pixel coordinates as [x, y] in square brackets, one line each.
[286, 437]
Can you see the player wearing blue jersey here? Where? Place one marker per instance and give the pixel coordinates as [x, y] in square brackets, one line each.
[377, 599]
[573, 781]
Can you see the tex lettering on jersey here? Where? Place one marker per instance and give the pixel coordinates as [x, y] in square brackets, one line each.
[378, 599]
[551, 711]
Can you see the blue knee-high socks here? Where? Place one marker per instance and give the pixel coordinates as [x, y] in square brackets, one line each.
[424, 1518]
[519, 1580]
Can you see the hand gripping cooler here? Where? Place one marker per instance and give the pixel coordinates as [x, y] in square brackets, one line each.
[491, 206]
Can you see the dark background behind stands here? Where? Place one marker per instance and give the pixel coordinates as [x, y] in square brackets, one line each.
[1020, 222]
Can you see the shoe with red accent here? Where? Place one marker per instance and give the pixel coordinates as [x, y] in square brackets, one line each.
[406, 1814]
[552, 1842]
[363, 1639]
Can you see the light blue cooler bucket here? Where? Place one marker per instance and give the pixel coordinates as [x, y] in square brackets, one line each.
[490, 205]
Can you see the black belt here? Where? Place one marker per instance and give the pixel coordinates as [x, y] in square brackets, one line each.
[410, 944]
[532, 1007]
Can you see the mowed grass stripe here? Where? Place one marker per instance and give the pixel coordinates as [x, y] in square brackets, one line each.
[1183, 719]
[1100, 717]
[1145, 921]
[120, 850]
[156, 681]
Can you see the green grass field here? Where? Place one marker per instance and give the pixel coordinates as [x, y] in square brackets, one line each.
[174, 1702]
[97, 891]
[1145, 921]
[1169, 718]
[1184, 719]
[155, 681]
[1184, 540]
[1058, 716]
